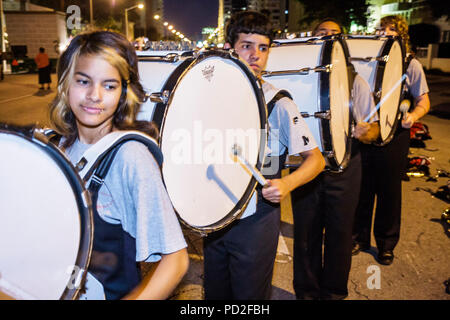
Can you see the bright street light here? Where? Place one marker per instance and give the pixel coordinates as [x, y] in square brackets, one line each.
[139, 6]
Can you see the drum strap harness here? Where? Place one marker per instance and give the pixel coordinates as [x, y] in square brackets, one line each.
[113, 260]
[113, 257]
[281, 158]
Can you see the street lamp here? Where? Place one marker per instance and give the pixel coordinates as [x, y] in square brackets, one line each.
[140, 6]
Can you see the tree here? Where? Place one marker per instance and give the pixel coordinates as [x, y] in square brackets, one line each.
[344, 11]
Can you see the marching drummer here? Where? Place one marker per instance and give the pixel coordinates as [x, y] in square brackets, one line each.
[239, 259]
[324, 208]
[384, 167]
[99, 92]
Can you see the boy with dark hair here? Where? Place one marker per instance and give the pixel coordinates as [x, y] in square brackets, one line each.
[239, 259]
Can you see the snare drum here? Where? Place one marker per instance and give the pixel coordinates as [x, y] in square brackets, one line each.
[315, 72]
[213, 102]
[46, 220]
[380, 61]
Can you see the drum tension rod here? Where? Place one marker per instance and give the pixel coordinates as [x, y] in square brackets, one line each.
[321, 115]
[302, 71]
[369, 59]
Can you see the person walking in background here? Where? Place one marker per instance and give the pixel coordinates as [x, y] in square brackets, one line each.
[44, 68]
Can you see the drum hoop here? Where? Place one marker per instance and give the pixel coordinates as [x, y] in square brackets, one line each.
[324, 103]
[256, 86]
[379, 75]
[80, 193]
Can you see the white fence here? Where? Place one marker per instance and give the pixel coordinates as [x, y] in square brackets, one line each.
[428, 58]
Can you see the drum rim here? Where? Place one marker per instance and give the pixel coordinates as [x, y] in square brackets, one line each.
[81, 195]
[240, 206]
[379, 75]
[324, 103]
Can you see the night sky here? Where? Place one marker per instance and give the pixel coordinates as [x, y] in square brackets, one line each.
[190, 16]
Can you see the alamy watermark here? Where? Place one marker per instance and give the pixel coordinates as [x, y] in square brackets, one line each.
[374, 280]
[74, 20]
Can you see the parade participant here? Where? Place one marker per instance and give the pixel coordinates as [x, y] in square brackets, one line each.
[324, 208]
[239, 259]
[99, 92]
[384, 167]
[44, 68]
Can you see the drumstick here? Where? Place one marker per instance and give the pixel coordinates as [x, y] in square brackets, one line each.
[236, 151]
[385, 98]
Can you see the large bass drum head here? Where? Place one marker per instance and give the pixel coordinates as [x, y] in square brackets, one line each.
[216, 103]
[339, 103]
[44, 241]
[391, 91]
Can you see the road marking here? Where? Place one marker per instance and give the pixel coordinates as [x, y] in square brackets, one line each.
[18, 98]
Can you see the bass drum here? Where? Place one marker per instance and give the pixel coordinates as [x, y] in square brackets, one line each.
[380, 61]
[46, 227]
[316, 73]
[213, 103]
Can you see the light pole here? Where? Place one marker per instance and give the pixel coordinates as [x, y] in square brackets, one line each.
[140, 6]
[91, 13]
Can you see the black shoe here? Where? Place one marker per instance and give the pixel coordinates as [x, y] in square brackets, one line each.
[359, 246]
[386, 257]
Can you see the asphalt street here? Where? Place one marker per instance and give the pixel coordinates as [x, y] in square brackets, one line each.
[422, 257]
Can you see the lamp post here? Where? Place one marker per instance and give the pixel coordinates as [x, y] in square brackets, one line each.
[140, 6]
[91, 13]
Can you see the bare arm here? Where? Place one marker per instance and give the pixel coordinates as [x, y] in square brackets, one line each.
[163, 279]
[422, 106]
[312, 165]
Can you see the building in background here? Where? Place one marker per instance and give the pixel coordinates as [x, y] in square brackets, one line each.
[284, 14]
[30, 27]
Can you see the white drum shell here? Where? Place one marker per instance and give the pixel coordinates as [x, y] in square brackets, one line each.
[153, 75]
[305, 89]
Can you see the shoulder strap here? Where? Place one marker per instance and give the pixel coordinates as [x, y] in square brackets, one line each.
[101, 154]
[280, 94]
[408, 60]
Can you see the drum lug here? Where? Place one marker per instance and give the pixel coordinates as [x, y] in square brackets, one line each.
[378, 94]
[159, 97]
[328, 154]
[323, 115]
[171, 57]
[40, 137]
[325, 68]
[383, 58]
[233, 54]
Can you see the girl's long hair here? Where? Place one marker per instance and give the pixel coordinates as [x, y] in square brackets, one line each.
[401, 26]
[117, 51]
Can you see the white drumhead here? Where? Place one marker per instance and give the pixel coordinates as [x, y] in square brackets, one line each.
[391, 90]
[40, 223]
[339, 102]
[212, 107]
